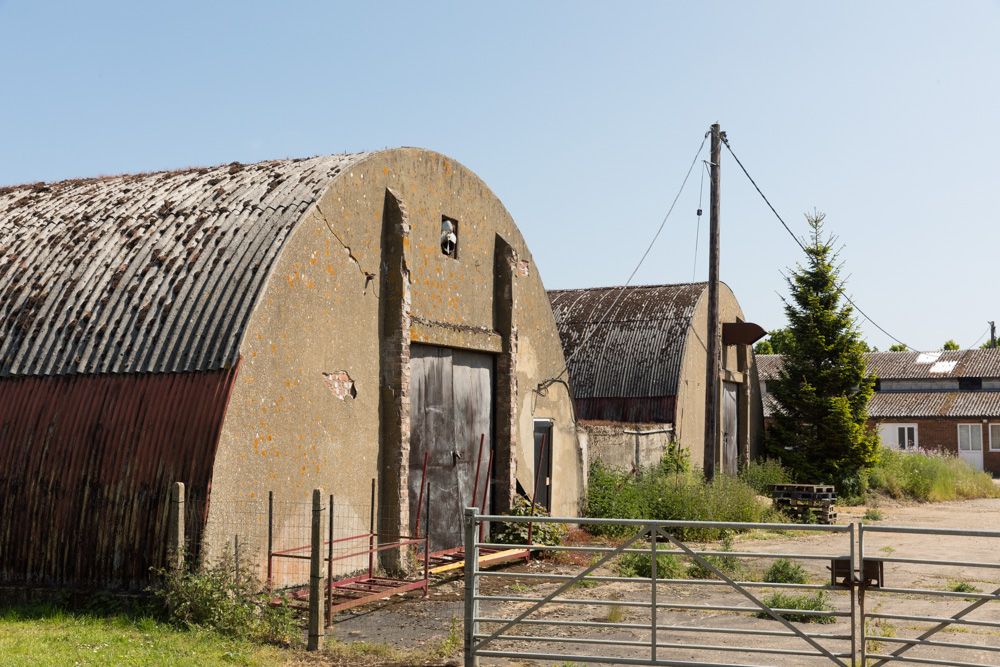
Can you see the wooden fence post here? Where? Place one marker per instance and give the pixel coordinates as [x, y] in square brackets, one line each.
[175, 527]
[316, 628]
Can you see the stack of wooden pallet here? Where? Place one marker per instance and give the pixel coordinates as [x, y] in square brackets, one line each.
[801, 500]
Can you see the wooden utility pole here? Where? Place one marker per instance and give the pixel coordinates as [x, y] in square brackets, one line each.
[993, 334]
[712, 372]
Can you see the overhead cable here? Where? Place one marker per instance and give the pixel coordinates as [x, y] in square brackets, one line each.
[801, 245]
[542, 386]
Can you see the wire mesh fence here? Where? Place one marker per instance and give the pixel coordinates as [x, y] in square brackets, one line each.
[273, 537]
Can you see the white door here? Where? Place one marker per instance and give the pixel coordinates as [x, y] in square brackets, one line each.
[970, 444]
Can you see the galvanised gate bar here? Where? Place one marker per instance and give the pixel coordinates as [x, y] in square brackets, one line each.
[663, 625]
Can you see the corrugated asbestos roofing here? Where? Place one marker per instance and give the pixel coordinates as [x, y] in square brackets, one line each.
[625, 342]
[905, 366]
[147, 273]
[917, 405]
[915, 366]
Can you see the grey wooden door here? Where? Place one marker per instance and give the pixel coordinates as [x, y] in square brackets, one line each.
[451, 408]
[730, 421]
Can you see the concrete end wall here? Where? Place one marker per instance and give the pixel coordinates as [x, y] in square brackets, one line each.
[315, 390]
[609, 443]
[736, 363]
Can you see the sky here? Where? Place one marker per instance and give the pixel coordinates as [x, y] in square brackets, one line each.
[583, 118]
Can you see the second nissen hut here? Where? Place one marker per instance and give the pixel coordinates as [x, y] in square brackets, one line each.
[273, 327]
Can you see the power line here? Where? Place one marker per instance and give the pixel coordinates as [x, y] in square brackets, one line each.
[980, 338]
[583, 343]
[801, 245]
[697, 232]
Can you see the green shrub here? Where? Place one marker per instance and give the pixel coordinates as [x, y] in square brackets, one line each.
[668, 566]
[728, 565]
[873, 514]
[517, 533]
[817, 602]
[784, 571]
[662, 495]
[221, 597]
[851, 489]
[761, 474]
[614, 494]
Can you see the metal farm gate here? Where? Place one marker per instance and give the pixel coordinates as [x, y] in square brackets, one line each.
[727, 619]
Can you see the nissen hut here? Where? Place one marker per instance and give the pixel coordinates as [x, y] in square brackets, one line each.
[265, 328]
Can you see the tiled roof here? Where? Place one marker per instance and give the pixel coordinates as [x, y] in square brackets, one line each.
[147, 273]
[625, 342]
[891, 404]
[917, 405]
[912, 365]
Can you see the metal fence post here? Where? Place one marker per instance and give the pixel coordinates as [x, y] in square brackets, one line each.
[471, 586]
[270, 540]
[329, 571]
[860, 592]
[316, 632]
[236, 549]
[175, 527]
[652, 576]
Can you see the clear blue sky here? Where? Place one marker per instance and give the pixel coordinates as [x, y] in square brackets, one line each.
[583, 117]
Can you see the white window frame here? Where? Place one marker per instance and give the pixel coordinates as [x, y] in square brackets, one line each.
[969, 428]
[995, 442]
[894, 443]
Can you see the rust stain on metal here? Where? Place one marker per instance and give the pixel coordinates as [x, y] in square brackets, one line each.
[86, 463]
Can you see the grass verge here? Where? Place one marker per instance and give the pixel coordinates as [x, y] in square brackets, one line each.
[47, 635]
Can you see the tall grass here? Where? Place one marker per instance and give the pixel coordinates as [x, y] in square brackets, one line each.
[763, 473]
[929, 476]
[660, 494]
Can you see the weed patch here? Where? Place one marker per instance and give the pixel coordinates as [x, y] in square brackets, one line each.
[668, 566]
[813, 603]
[665, 493]
[225, 599]
[929, 476]
[784, 571]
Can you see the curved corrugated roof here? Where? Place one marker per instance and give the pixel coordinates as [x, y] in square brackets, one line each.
[634, 337]
[147, 273]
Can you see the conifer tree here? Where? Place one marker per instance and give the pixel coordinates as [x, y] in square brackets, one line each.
[819, 428]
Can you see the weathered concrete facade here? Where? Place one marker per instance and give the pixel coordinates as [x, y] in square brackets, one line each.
[641, 366]
[361, 279]
[302, 291]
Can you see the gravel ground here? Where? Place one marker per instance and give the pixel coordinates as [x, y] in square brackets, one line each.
[409, 622]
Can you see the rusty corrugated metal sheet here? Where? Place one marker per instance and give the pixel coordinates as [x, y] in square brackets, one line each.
[625, 342]
[651, 410]
[904, 366]
[86, 463]
[147, 273]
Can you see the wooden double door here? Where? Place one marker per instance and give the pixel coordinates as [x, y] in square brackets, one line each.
[451, 411]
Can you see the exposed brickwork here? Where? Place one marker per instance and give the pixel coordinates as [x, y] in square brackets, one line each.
[395, 364]
[505, 269]
[340, 384]
[943, 434]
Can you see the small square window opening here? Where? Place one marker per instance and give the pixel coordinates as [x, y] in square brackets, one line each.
[449, 237]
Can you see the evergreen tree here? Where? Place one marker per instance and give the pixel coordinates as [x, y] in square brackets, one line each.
[819, 428]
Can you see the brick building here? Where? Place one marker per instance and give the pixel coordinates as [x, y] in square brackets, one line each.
[946, 400]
